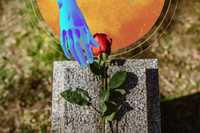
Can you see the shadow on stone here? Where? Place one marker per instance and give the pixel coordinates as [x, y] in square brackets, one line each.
[121, 101]
[181, 115]
[118, 62]
[130, 83]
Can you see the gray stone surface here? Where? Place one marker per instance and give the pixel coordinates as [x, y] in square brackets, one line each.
[141, 106]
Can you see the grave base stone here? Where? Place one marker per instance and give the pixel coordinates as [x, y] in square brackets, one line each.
[140, 112]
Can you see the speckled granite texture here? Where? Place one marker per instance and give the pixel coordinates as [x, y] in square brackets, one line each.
[141, 106]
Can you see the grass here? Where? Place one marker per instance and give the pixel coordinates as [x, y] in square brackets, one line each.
[27, 55]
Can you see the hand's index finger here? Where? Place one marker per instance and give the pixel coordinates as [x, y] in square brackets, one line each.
[78, 48]
[64, 43]
[94, 43]
[75, 48]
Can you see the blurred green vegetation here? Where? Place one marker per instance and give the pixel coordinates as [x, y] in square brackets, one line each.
[26, 61]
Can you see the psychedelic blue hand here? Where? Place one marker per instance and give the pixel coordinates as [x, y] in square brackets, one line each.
[75, 36]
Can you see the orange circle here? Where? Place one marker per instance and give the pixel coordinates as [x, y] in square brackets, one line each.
[125, 21]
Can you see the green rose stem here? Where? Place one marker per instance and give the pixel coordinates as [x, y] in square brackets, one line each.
[104, 83]
[94, 108]
[110, 88]
[105, 86]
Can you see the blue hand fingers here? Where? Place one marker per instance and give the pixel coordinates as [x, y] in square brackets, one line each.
[76, 35]
[72, 50]
[87, 45]
[75, 50]
[78, 49]
[89, 54]
[64, 43]
[59, 3]
[75, 42]
[85, 34]
[90, 39]
[94, 43]
[80, 54]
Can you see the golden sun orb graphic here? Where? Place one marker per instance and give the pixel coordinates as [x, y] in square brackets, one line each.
[125, 21]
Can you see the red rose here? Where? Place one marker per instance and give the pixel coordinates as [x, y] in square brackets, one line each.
[104, 42]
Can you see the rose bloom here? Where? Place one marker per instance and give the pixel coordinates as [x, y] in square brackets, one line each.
[104, 42]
